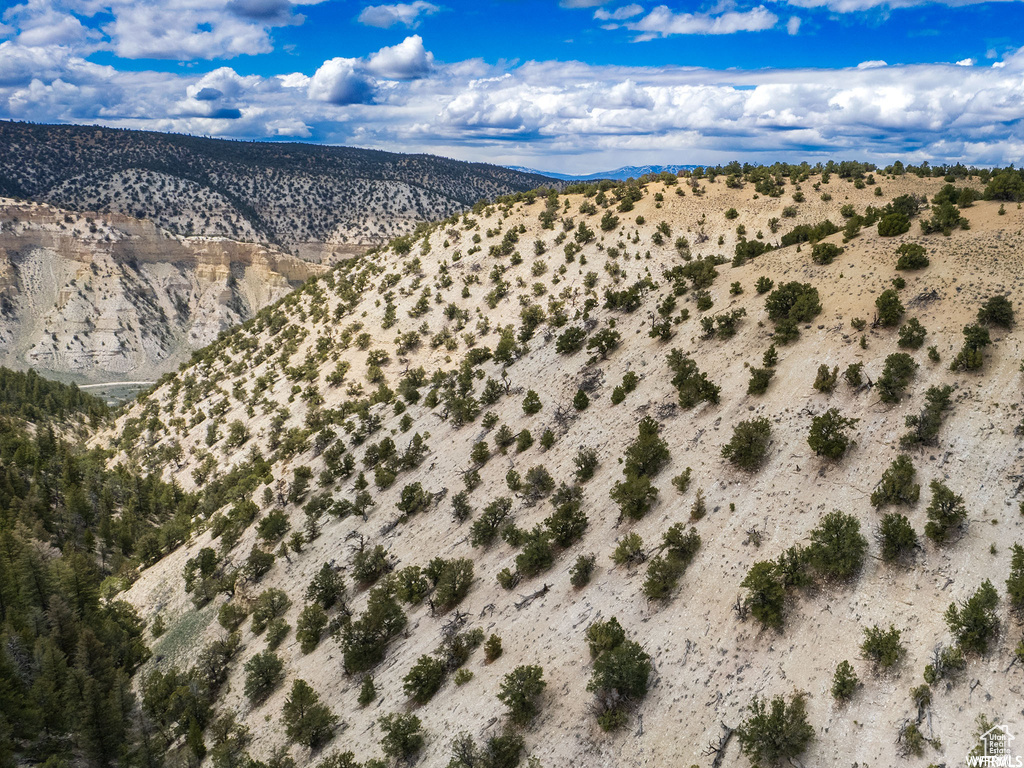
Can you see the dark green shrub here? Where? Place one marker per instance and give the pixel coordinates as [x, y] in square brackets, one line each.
[897, 485]
[898, 538]
[306, 720]
[568, 523]
[310, 626]
[766, 594]
[504, 437]
[837, 546]
[911, 334]
[924, 427]
[571, 340]
[649, 453]
[403, 736]
[786, 332]
[270, 604]
[367, 691]
[263, 673]
[971, 357]
[365, 640]
[974, 622]
[369, 564]
[326, 588]
[277, 630]
[827, 436]
[760, 378]
[911, 256]
[825, 253]
[844, 681]
[893, 224]
[537, 555]
[452, 580]
[775, 731]
[854, 374]
[947, 513]
[896, 375]
[629, 550]
[424, 679]
[258, 564]
[692, 385]
[461, 509]
[580, 400]
[538, 482]
[635, 496]
[665, 570]
[764, 284]
[945, 218]
[411, 585]
[604, 342]
[997, 310]
[486, 527]
[883, 647]
[826, 379]
[681, 482]
[890, 308]
[581, 571]
[492, 648]
[586, 464]
[230, 616]
[793, 301]
[531, 403]
[415, 500]
[749, 444]
[273, 526]
[1015, 582]
[520, 690]
[621, 672]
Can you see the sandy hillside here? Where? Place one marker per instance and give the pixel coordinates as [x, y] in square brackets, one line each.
[708, 663]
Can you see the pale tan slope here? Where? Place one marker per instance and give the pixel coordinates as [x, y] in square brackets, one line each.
[708, 664]
[111, 298]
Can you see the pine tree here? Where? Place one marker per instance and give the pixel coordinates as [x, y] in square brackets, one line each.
[307, 721]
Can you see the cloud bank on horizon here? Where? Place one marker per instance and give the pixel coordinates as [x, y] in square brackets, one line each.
[572, 86]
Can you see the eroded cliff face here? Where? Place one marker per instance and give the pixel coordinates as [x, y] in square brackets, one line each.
[110, 297]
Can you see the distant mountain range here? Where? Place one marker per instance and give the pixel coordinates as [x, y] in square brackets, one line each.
[621, 174]
[317, 201]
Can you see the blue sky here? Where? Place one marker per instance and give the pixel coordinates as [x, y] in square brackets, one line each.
[566, 85]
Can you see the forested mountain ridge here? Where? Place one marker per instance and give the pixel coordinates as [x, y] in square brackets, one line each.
[301, 196]
[70, 527]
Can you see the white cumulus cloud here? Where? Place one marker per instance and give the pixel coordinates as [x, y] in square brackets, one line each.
[406, 61]
[551, 114]
[856, 6]
[386, 16]
[619, 14]
[341, 82]
[159, 29]
[663, 22]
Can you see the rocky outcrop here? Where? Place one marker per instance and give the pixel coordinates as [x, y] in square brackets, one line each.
[111, 297]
